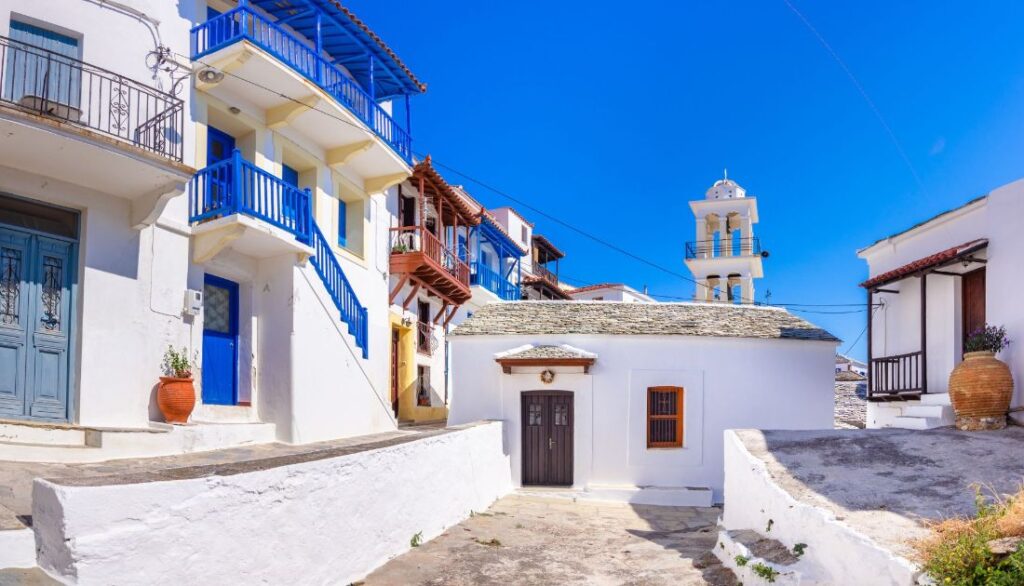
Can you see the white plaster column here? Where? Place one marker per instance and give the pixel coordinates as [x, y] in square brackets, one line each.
[747, 235]
[726, 236]
[702, 235]
[747, 288]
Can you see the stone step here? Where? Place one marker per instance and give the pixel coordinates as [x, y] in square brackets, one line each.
[744, 551]
[917, 422]
[32, 433]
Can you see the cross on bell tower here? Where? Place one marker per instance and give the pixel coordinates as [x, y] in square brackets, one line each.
[726, 256]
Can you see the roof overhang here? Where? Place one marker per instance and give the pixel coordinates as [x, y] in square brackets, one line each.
[966, 253]
[924, 225]
[545, 356]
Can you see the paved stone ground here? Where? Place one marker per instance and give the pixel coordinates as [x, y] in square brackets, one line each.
[530, 540]
[851, 404]
[887, 483]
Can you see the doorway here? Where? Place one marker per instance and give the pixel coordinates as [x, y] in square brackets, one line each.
[547, 429]
[395, 369]
[973, 301]
[220, 341]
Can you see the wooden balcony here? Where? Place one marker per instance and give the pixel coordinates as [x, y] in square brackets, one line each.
[420, 257]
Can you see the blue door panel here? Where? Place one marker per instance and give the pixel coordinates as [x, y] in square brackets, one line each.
[220, 341]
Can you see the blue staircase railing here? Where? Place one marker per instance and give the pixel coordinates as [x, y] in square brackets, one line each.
[243, 23]
[236, 186]
[353, 313]
[489, 279]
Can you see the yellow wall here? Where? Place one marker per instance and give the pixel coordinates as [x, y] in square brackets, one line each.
[408, 410]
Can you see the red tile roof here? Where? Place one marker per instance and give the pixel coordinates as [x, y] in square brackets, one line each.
[596, 287]
[425, 169]
[380, 42]
[545, 243]
[927, 262]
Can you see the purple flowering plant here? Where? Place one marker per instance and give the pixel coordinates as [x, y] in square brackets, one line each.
[987, 339]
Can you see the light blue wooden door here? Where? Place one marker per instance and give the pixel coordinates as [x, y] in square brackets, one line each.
[220, 341]
[35, 306]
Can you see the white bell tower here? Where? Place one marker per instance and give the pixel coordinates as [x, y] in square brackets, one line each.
[726, 256]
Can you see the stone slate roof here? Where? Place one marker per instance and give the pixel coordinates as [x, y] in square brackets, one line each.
[637, 319]
[545, 352]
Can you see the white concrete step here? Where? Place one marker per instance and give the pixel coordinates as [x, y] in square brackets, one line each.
[917, 422]
[35, 433]
[1016, 417]
[935, 399]
[944, 412]
[159, 440]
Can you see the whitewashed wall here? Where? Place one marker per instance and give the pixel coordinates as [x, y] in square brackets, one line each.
[329, 521]
[897, 324]
[729, 383]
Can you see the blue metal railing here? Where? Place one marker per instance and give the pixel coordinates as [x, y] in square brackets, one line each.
[243, 23]
[236, 186]
[352, 312]
[491, 280]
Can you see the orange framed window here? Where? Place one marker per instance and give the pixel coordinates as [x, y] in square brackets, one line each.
[665, 417]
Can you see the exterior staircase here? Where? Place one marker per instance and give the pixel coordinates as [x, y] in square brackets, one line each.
[757, 559]
[928, 412]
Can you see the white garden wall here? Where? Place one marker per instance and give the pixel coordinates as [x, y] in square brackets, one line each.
[840, 555]
[328, 521]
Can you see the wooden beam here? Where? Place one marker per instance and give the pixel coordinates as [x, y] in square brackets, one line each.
[398, 288]
[447, 320]
[437, 317]
[893, 291]
[508, 363]
[411, 295]
[871, 314]
[924, 334]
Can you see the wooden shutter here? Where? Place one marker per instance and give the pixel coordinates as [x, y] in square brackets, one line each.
[664, 417]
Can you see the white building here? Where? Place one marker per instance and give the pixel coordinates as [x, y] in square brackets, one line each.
[846, 364]
[726, 256]
[609, 292]
[928, 287]
[234, 199]
[629, 401]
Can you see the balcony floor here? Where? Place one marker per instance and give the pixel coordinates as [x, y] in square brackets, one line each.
[248, 236]
[432, 275]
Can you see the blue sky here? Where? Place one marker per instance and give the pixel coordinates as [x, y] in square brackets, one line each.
[612, 116]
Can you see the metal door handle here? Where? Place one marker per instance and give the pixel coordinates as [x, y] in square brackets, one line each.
[551, 443]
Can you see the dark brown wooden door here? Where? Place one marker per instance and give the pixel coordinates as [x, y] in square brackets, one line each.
[547, 423]
[973, 301]
[394, 370]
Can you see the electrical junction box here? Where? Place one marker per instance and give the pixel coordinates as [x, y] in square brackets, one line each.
[193, 301]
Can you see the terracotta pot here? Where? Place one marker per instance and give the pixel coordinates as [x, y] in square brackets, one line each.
[176, 398]
[981, 386]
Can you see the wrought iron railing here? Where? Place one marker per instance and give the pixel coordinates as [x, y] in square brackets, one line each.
[545, 273]
[900, 373]
[78, 93]
[417, 239]
[353, 313]
[236, 186]
[243, 23]
[491, 280]
[723, 247]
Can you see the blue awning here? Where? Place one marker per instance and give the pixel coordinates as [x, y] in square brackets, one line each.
[349, 42]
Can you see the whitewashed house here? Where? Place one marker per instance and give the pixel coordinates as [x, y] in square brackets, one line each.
[845, 363]
[212, 175]
[928, 287]
[609, 292]
[629, 401]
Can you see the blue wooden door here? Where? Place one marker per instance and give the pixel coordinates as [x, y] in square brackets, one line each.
[290, 176]
[219, 146]
[220, 341]
[35, 309]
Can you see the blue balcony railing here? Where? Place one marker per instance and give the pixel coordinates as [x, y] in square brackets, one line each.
[489, 279]
[236, 186]
[352, 312]
[243, 23]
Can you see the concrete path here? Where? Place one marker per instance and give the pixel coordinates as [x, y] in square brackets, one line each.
[534, 540]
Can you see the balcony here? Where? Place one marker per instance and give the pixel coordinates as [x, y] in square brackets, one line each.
[723, 248]
[232, 203]
[726, 256]
[302, 89]
[419, 256]
[484, 276]
[89, 120]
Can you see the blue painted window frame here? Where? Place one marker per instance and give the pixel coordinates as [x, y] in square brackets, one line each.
[342, 223]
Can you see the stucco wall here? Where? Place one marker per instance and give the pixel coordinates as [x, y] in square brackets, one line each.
[728, 382]
[328, 521]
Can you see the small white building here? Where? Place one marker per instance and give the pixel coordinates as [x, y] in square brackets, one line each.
[610, 292]
[846, 364]
[928, 287]
[629, 401]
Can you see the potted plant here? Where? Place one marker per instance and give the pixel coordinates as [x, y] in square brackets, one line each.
[399, 248]
[176, 396]
[981, 386]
